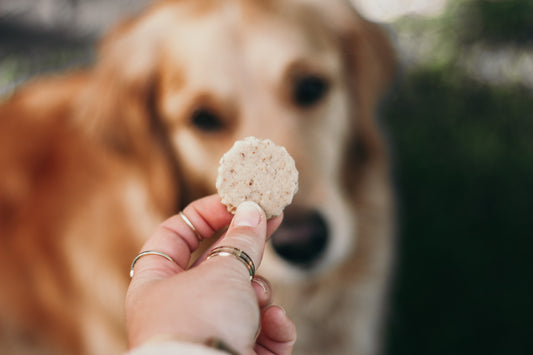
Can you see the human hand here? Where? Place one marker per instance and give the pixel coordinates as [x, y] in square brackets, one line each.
[214, 299]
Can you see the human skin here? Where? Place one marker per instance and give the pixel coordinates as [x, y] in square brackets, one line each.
[215, 298]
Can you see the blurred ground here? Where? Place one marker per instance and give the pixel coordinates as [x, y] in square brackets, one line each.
[460, 121]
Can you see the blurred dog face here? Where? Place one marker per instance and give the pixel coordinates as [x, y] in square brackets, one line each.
[221, 71]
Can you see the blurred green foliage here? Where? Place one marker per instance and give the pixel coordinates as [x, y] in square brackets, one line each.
[464, 172]
[18, 65]
[497, 20]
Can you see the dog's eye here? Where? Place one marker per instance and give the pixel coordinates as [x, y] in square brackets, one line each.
[308, 90]
[206, 120]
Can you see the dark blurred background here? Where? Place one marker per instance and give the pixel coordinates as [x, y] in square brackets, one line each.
[460, 123]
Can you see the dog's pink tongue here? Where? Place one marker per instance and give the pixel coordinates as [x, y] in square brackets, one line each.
[302, 238]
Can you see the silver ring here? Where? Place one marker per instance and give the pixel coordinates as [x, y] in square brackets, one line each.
[191, 226]
[149, 252]
[241, 256]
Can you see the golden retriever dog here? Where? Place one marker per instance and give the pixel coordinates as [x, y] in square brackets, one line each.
[92, 161]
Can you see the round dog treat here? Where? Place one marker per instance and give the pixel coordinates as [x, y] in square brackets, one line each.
[260, 171]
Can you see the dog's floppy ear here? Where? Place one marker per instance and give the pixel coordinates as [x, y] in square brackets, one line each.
[371, 60]
[116, 105]
[370, 64]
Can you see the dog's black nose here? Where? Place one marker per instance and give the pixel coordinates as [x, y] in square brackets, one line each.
[302, 237]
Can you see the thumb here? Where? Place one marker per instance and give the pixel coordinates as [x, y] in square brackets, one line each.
[247, 231]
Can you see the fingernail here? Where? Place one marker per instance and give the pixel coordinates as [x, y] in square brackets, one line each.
[282, 310]
[248, 214]
[260, 283]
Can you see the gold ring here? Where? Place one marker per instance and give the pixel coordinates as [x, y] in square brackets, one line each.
[241, 256]
[191, 226]
[149, 252]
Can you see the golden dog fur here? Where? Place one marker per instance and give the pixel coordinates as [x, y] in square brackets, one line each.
[92, 161]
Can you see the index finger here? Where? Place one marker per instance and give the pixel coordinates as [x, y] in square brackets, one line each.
[175, 238]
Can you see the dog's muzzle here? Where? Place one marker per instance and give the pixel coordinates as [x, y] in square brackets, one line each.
[302, 238]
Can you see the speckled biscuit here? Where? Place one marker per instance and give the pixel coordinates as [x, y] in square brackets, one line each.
[260, 171]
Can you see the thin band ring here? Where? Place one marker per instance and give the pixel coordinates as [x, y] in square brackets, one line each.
[241, 256]
[149, 252]
[191, 226]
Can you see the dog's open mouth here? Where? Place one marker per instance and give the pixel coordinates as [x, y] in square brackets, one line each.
[302, 238]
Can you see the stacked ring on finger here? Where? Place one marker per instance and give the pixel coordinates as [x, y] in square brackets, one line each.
[238, 253]
[191, 226]
[149, 252]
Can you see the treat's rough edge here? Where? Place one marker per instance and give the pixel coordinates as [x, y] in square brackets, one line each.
[247, 143]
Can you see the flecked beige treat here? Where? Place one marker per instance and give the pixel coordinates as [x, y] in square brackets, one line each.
[260, 171]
